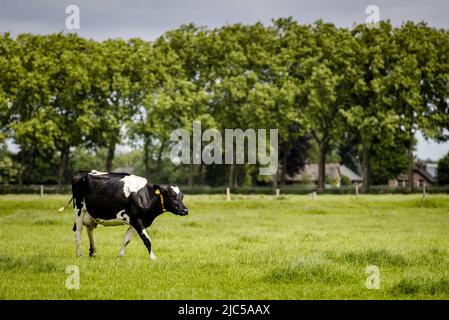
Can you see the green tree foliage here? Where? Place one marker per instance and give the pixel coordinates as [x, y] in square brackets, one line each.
[356, 96]
[8, 169]
[112, 90]
[387, 162]
[26, 84]
[71, 107]
[327, 90]
[369, 115]
[419, 84]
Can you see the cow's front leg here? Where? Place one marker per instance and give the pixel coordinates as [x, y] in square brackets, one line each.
[128, 236]
[145, 237]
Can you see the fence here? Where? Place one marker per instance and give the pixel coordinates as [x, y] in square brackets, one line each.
[307, 189]
[199, 189]
[34, 189]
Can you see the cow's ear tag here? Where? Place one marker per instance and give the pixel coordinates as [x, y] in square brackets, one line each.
[157, 191]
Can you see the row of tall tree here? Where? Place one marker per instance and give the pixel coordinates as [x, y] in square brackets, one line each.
[363, 92]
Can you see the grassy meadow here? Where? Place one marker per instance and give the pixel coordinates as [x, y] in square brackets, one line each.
[254, 247]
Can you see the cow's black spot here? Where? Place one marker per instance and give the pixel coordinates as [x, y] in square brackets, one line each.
[74, 227]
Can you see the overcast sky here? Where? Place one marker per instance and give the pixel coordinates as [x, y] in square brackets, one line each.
[148, 19]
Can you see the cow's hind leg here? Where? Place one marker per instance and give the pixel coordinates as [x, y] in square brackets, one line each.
[140, 229]
[78, 227]
[90, 225]
[92, 247]
[128, 236]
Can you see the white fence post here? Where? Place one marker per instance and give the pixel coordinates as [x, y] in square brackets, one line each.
[42, 191]
[423, 189]
[314, 195]
[278, 192]
[228, 194]
[357, 190]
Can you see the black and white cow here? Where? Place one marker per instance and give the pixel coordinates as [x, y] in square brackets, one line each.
[111, 199]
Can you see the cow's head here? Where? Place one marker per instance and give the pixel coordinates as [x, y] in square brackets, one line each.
[172, 199]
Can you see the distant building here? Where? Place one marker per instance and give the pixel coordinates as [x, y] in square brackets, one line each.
[422, 173]
[432, 169]
[333, 170]
[124, 170]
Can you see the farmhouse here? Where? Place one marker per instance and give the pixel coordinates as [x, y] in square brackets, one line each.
[335, 171]
[422, 173]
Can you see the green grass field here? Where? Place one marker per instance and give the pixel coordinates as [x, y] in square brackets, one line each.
[255, 247]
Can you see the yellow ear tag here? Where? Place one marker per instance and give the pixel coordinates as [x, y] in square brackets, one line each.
[157, 191]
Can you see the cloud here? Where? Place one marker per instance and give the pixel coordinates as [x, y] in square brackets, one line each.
[148, 19]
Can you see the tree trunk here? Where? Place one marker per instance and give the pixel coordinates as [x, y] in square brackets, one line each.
[323, 144]
[21, 170]
[191, 176]
[236, 174]
[110, 156]
[411, 165]
[159, 161]
[275, 179]
[366, 170]
[284, 167]
[146, 158]
[231, 175]
[63, 161]
[202, 173]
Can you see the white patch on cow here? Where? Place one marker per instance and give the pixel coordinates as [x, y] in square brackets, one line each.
[88, 220]
[121, 215]
[128, 236]
[175, 189]
[152, 255]
[78, 226]
[144, 232]
[121, 218]
[97, 173]
[133, 183]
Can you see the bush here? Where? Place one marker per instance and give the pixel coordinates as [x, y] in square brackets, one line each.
[345, 181]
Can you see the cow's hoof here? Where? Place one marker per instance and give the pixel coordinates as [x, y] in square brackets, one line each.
[92, 255]
[153, 257]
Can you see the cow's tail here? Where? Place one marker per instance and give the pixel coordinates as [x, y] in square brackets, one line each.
[65, 207]
[78, 189]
